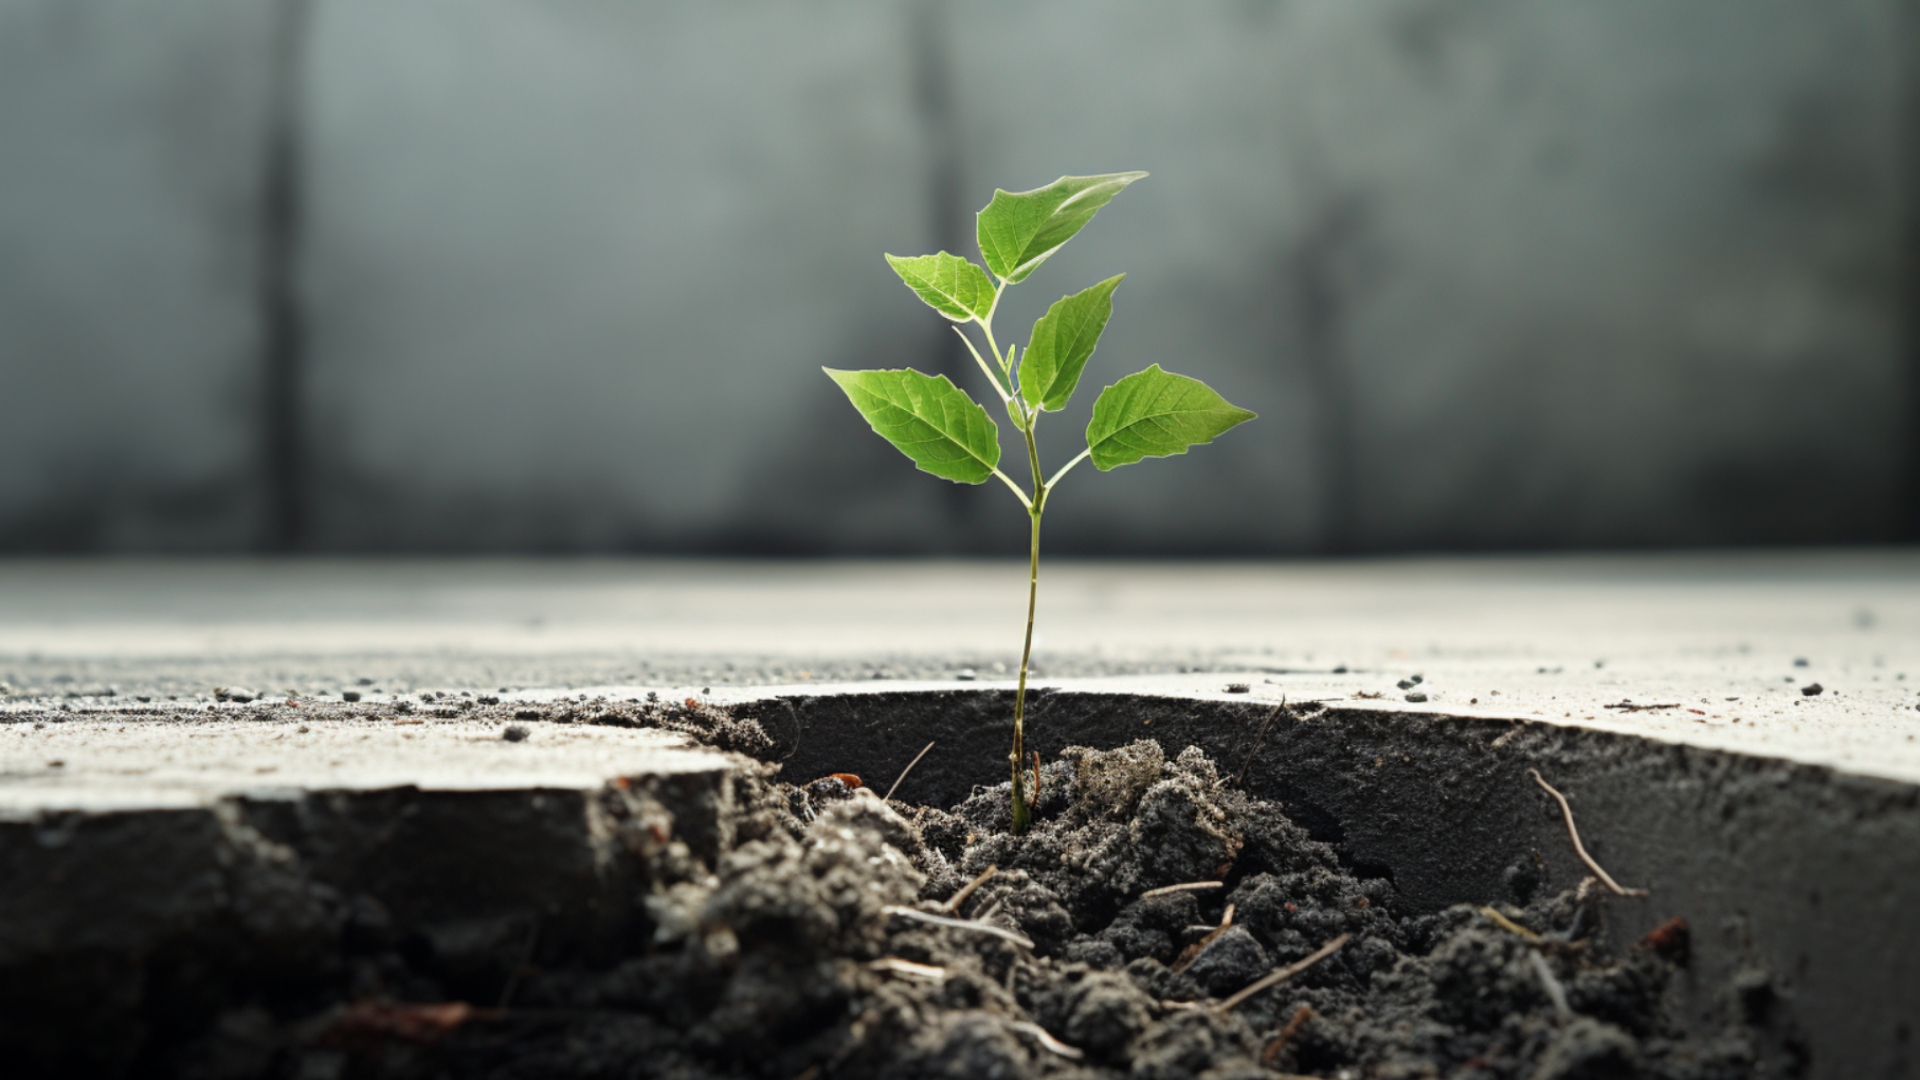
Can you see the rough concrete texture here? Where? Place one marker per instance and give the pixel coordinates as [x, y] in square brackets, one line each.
[1800, 883]
[1793, 858]
[1552, 638]
[1494, 274]
[134, 760]
[175, 871]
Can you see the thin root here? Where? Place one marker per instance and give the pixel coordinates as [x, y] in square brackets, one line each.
[1191, 886]
[1567, 811]
[1241, 777]
[1554, 990]
[1279, 975]
[1194, 950]
[953, 902]
[905, 771]
[1300, 1017]
[1509, 925]
[1041, 1035]
[929, 972]
[958, 924]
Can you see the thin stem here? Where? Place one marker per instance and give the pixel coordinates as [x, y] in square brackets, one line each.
[998, 356]
[982, 361]
[1015, 488]
[1017, 757]
[1083, 455]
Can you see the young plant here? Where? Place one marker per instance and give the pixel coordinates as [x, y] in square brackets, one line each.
[1151, 413]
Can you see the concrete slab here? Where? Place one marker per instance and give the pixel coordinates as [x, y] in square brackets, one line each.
[1794, 858]
[156, 761]
[1716, 639]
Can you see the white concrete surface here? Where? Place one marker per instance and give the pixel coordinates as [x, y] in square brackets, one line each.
[178, 761]
[1718, 638]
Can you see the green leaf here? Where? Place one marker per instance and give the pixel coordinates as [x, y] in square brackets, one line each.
[1063, 341]
[928, 419]
[949, 284]
[1155, 413]
[1018, 230]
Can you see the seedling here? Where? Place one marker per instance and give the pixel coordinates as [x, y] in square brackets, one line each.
[1151, 413]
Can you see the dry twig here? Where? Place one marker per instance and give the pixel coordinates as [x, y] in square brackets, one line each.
[1578, 847]
[953, 902]
[905, 771]
[1279, 975]
[1191, 886]
[958, 924]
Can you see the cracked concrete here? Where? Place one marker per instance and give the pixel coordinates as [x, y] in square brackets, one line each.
[1721, 639]
[1783, 825]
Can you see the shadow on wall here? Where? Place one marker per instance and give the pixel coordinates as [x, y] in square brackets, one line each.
[537, 277]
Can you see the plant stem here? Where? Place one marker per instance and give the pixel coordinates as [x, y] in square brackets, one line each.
[1021, 814]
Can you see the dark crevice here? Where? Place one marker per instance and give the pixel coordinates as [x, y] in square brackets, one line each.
[283, 331]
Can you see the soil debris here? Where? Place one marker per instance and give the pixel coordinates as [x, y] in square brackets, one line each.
[1157, 922]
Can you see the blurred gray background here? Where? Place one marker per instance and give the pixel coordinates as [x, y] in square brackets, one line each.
[560, 275]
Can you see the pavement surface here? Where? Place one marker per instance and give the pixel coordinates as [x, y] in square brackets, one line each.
[1724, 651]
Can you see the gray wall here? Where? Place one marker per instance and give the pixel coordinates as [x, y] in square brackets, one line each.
[561, 276]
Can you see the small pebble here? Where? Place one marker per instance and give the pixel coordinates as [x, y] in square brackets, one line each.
[966, 675]
[527, 714]
[56, 763]
[1799, 661]
[302, 729]
[350, 695]
[1238, 688]
[487, 699]
[363, 682]
[1811, 689]
[238, 694]
[514, 733]
[1416, 696]
[1405, 684]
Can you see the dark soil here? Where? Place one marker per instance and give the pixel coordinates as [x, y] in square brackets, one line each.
[779, 957]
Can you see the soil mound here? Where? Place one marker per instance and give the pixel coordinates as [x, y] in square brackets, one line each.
[826, 943]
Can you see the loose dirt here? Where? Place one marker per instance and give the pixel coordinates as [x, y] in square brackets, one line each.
[793, 953]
